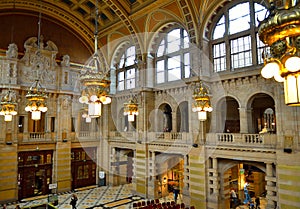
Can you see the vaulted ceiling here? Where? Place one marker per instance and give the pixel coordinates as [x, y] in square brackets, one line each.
[79, 14]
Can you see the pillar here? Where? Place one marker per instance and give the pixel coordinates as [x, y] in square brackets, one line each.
[271, 187]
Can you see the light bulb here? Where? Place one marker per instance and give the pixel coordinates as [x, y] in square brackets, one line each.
[292, 64]
[269, 69]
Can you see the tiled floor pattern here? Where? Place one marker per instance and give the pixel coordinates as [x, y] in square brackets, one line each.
[105, 197]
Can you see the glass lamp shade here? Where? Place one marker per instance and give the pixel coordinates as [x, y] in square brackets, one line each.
[269, 69]
[36, 115]
[84, 100]
[292, 89]
[88, 119]
[94, 109]
[105, 99]
[131, 117]
[7, 118]
[292, 64]
[202, 115]
[42, 109]
[278, 77]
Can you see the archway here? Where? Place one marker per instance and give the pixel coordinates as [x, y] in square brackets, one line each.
[182, 117]
[235, 176]
[229, 113]
[263, 114]
[169, 173]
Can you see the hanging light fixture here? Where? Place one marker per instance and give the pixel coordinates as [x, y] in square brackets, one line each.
[36, 100]
[131, 109]
[95, 82]
[36, 95]
[8, 106]
[202, 101]
[280, 31]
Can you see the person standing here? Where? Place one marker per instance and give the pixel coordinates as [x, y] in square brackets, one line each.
[233, 196]
[74, 201]
[257, 202]
[246, 193]
[176, 193]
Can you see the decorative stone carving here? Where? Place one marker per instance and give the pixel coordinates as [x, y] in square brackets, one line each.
[66, 61]
[40, 61]
[12, 51]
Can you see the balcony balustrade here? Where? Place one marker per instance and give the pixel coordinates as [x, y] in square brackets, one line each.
[213, 139]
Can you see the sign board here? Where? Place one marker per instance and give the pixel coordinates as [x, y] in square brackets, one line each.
[53, 186]
[101, 174]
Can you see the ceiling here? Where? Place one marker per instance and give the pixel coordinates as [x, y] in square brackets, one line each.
[80, 14]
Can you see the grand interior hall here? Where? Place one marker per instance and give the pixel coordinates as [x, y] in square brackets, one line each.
[124, 101]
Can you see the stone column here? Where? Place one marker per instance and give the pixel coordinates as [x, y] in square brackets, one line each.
[244, 112]
[113, 166]
[271, 187]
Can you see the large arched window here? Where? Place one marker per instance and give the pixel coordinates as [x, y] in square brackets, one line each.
[126, 69]
[173, 57]
[235, 43]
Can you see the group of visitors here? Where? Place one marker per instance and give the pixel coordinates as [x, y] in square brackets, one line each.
[247, 201]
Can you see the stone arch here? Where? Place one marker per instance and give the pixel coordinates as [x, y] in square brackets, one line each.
[160, 33]
[165, 118]
[227, 113]
[234, 175]
[258, 120]
[182, 117]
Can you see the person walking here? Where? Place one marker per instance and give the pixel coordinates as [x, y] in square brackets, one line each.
[257, 203]
[74, 201]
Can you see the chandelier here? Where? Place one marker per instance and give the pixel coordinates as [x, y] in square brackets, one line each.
[280, 31]
[36, 100]
[202, 101]
[95, 82]
[131, 109]
[36, 95]
[8, 106]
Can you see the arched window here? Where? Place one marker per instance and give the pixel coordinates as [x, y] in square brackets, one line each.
[235, 43]
[126, 69]
[173, 57]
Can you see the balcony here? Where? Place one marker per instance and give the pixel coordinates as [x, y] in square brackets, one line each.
[263, 141]
[34, 137]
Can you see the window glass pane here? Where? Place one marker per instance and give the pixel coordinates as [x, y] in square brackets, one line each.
[186, 40]
[174, 72]
[241, 52]
[130, 78]
[161, 49]
[121, 63]
[130, 56]
[260, 48]
[239, 18]
[187, 67]
[121, 79]
[219, 29]
[173, 41]
[160, 74]
[261, 13]
[219, 57]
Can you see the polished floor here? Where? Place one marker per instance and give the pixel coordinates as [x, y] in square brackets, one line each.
[104, 197]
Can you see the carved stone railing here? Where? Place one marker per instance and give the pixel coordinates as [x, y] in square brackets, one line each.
[87, 136]
[152, 137]
[268, 141]
[36, 137]
[239, 139]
